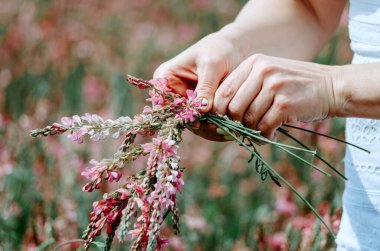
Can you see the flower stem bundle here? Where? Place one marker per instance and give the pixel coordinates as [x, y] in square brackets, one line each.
[138, 208]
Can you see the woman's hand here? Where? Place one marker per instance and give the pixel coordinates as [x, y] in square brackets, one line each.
[287, 28]
[264, 92]
[202, 67]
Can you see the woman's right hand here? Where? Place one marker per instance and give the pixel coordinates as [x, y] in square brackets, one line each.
[202, 67]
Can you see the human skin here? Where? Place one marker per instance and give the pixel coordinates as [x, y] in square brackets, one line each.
[265, 91]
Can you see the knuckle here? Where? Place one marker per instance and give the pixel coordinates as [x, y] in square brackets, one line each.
[283, 104]
[249, 119]
[268, 69]
[204, 88]
[234, 110]
[263, 126]
[275, 85]
[209, 61]
[258, 57]
[226, 91]
[162, 70]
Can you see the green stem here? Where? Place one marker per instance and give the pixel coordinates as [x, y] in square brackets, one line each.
[327, 136]
[235, 128]
[277, 174]
[283, 131]
[305, 161]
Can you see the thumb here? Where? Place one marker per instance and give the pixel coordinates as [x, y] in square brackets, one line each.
[209, 78]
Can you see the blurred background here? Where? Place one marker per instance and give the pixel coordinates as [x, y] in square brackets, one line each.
[66, 57]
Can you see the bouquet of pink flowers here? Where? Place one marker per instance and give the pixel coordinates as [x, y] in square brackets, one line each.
[138, 208]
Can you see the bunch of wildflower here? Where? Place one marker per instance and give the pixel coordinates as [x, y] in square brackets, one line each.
[138, 208]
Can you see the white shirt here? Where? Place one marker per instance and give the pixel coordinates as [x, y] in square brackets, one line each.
[360, 225]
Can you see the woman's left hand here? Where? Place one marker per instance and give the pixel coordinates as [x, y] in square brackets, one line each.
[264, 92]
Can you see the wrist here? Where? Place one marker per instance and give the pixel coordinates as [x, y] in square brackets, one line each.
[341, 93]
[234, 34]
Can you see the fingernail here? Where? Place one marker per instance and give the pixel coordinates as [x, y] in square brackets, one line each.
[228, 138]
[220, 131]
[204, 103]
[195, 126]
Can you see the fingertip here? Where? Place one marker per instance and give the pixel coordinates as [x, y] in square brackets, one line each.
[205, 104]
[228, 138]
[220, 131]
[194, 126]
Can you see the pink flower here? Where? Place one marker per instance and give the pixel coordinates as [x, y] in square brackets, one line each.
[189, 115]
[170, 147]
[188, 109]
[156, 98]
[162, 243]
[113, 176]
[148, 147]
[179, 101]
[276, 241]
[66, 121]
[196, 223]
[191, 95]
[87, 117]
[77, 120]
[124, 193]
[285, 206]
[140, 83]
[147, 110]
[161, 84]
[90, 173]
[166, 147]
[77, 135]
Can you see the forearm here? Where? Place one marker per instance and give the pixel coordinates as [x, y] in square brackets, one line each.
[284, 28]
[357, 90]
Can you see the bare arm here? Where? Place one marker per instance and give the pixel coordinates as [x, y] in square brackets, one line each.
[284, 28]
[357, 90]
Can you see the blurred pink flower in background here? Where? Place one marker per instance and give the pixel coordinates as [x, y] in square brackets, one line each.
[276, 241]
[284, 205]
[196, 223]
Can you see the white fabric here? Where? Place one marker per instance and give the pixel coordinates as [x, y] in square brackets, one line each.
[360, 225]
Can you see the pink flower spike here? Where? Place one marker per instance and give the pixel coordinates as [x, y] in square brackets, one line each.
[140, 83]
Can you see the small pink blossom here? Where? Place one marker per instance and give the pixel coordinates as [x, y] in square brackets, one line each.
[161, 84]
[162, 243]
[124, 193]
[156, 98]
[77, 135]
[66, 121]
[170, 147]
[113, 176]
[285, 206]
[276, 241]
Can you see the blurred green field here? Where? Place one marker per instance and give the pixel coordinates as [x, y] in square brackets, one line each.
[68, 57]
